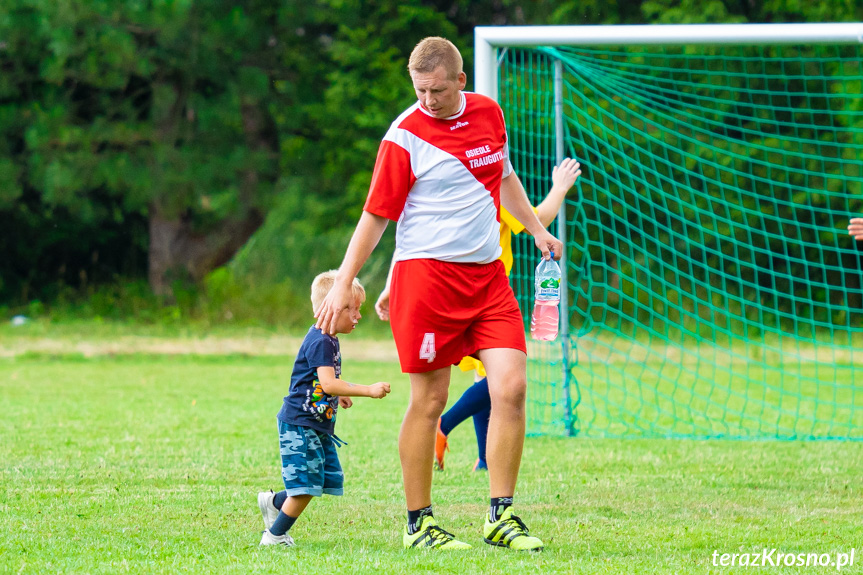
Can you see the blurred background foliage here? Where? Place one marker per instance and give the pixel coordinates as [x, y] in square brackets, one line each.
[169, 160]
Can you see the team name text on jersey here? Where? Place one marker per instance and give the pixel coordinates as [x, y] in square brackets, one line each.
[486, 160]
[477, 151]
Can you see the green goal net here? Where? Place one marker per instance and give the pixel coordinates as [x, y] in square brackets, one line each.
[713, 289]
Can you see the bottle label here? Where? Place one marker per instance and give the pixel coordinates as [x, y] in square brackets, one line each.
[548, 289]
[548, 294]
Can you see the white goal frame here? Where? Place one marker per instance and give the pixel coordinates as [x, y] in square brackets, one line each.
[488, 40]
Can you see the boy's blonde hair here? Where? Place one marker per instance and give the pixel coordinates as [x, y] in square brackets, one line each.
[324, 282]
[433, 52]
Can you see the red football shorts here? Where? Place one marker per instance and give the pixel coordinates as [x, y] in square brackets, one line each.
[443, 311]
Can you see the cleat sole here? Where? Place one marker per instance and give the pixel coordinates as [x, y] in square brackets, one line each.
[501, 544]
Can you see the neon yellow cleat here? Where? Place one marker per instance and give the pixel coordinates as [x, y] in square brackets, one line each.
[510, 531]
[430, 536]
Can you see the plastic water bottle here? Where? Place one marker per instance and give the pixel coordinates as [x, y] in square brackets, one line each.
[545, 319]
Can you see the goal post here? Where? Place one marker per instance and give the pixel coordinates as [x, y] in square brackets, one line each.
[488, 39]
[712, 288]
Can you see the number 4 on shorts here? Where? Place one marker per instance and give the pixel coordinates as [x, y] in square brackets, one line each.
[427, 350]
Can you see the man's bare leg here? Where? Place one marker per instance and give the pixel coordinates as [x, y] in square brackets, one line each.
[416, 450]
[429, 393]
[507, 386]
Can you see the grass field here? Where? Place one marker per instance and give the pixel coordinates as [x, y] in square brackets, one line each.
[150, 463]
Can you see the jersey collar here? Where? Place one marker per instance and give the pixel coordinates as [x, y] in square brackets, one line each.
[461, 108]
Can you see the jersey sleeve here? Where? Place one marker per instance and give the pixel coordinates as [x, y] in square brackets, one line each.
[392, 179]
[507, 164]
[321, 353]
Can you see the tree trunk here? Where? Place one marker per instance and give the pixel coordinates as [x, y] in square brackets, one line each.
[180, 253]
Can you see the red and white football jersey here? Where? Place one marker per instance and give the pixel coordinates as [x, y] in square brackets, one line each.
[440, 178]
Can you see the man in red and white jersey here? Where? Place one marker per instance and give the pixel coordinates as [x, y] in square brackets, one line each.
[442, 172]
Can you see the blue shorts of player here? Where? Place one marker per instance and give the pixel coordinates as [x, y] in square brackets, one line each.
[310, 464]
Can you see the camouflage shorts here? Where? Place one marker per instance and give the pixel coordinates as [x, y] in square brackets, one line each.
[310, 464]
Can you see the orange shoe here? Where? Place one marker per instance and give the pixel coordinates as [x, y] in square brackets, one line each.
[440, 446]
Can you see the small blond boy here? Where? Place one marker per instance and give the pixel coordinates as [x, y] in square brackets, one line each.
[307, 440]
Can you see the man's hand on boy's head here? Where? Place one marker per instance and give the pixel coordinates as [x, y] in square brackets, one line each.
[336, 302]
[379, 390]
[345, 402]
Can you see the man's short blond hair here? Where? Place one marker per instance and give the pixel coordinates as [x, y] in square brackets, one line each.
[324, 282]
[434, 52]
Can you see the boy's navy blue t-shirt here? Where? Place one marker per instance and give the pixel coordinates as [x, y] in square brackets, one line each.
[306, 403]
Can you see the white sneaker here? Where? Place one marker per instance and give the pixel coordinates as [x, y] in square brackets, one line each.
[268, 512]
[269, 539]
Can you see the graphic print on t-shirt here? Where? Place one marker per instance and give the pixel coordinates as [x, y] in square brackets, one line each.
[307, 404]
[318, 403]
